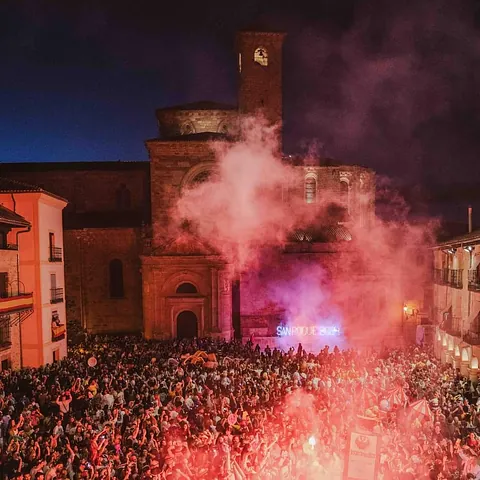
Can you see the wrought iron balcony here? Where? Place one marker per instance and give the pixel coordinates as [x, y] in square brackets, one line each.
[445, 276]
[55, 254]
[474, 280]
[456, 280]
[56, 295]
[441, 276]
[8, 246]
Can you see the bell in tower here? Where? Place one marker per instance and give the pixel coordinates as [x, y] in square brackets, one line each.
[260, 72]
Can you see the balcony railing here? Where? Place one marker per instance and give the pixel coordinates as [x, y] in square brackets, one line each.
[8, 246]
[474, 280]
[445, 276]
[456, 280]
[55, 254]
[56, 295]
[440, 276]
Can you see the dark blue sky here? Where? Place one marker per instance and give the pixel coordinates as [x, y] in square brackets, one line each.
[390, 85]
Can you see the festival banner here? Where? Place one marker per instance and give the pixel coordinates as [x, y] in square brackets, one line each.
[362, 460]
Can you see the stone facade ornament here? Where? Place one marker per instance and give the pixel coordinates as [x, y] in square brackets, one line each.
[225, 283]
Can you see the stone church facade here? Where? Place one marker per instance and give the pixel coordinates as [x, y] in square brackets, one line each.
[125, 270]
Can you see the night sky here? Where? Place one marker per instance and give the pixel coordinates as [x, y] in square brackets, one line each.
[390, 85]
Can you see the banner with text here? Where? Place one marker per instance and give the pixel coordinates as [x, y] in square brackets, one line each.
[363, 457]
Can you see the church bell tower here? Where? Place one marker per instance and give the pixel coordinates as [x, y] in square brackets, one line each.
[260, 74]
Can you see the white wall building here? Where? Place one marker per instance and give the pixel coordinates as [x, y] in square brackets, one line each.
[43, 334]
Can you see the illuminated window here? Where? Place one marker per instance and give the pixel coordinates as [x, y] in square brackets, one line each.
[240, 62]
[201, 177]
[310, 189]
[261, 56]
[116, 279]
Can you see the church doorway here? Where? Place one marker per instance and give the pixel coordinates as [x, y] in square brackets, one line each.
[187, 325]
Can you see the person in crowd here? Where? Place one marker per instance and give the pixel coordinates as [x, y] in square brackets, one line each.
[209, 409]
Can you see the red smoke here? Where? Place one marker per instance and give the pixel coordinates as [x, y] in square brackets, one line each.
[243, 212]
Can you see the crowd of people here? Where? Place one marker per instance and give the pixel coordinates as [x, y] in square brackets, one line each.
[125, 408]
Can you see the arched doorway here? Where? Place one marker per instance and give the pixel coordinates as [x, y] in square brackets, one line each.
[187, 324]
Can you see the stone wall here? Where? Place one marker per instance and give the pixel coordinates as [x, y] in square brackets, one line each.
[172, 164]
[88, 253]
[162, 304]
[88, 186]
[173, 122]
[261, 86]
[360, 199]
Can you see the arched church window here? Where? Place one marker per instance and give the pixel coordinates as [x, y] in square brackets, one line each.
[186, 288]
[260, 56]
[202, 177]
[123, 198]
[310, 189]
[344, 193]
[116, 279]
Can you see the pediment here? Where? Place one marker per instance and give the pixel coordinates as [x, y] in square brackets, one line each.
[186, 244]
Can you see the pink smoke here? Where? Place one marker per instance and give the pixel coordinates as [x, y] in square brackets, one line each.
[247, 211]
[240, 210]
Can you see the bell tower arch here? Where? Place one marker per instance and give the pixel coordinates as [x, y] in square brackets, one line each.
[260, 74]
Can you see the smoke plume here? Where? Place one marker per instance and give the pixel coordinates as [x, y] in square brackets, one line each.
[359, 285]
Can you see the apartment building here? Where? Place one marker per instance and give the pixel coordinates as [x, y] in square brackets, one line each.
[40, 271]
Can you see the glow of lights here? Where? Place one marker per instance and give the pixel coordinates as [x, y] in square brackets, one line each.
[284, 331]
[405, 309]
[468, 249]
[312, 442]
[474, 363]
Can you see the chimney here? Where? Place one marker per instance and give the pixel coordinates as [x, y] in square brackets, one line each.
[469, 219]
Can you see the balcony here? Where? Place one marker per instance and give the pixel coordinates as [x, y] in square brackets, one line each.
[440, 276]
[56, 295]
[456, 280]
[8, 246]
[11, 302]
[474, 280]
[55, 254]
[445, 276]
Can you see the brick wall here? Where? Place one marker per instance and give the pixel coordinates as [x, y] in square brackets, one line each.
[88, 253]
[170, 162]
[8, 264]
[261, 86]
[87, 188]
[361, 188]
